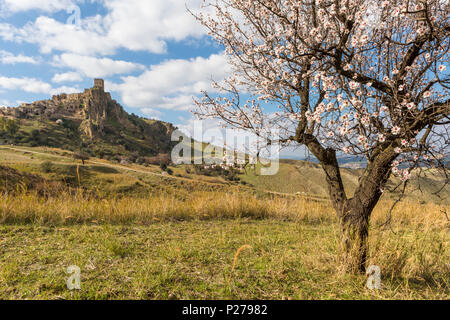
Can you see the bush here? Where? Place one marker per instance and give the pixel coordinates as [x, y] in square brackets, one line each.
[169, 171]
[160, 159]
[83, 156]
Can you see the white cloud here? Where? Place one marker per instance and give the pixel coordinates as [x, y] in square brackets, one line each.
[173, 83]
[145, 25]
[95, 67]
[33, 85]
[64, 89]
[25, 84]
[51, 35]
[67, 77]
[9, 58]
[152, 113]
[131, 24]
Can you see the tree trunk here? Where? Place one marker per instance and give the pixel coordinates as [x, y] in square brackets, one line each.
[355, 214]
[354, 224]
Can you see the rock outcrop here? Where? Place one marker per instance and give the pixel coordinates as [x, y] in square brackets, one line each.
[97, 117]
[89, 109]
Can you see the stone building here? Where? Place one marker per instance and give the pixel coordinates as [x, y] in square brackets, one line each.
[99, 84]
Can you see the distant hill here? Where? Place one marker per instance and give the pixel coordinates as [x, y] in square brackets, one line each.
[90, 121]
[297, 176]
[345, 161]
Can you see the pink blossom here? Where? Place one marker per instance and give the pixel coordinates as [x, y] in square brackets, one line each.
[396, 130]
[411, 105]
[362, 139]
[354, 85]
[406, 175]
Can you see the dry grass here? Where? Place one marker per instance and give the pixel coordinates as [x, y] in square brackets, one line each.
[70, 208]
[294, 245]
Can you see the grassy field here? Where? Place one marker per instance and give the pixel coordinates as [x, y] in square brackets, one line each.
[138, 234]
[197, 260]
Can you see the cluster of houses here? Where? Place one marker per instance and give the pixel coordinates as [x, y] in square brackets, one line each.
[234, 161]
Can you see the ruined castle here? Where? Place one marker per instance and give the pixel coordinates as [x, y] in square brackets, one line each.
[88, 109]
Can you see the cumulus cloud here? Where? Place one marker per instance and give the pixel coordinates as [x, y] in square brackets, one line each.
[95, 67]
[51, 35]
[64, 89]
[173, 83]
[9, 58]
[152, 113]
[13, 6]
[131, 24]
[25, 84]
[67, 77]
[33, 85]
[145, 25]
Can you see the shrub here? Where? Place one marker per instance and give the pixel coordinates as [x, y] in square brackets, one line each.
[47, 166]
[160, 159]
[83, 156]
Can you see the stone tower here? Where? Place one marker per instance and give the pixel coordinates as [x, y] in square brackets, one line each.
[100, 84]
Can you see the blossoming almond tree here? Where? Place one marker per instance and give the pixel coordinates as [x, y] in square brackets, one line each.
[365, 77]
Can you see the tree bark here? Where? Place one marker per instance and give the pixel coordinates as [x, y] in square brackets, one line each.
[355, 235]
[354, 214]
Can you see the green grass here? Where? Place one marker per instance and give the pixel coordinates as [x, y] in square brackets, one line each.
[193, 260]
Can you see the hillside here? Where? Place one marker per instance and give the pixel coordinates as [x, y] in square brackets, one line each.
[41, 167]
[296, 176]
[90, 121]
[94, 123]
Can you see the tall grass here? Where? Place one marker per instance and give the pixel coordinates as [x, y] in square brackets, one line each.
[412, 251]
[78, 207]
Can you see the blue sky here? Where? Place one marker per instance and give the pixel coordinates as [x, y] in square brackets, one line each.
[153, 55]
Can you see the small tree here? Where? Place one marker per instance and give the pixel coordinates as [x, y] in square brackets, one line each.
[2, 124]
[362, 77]
[47, 166]
[11, 127]
[80, 155]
